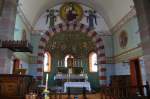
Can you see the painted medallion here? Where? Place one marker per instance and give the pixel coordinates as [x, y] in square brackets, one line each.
[71, 12]
[123, 39]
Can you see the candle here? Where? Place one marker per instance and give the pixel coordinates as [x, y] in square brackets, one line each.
[75, 63]
[46, 81]
[81, 63]
[78, 62]
[62, 62]
[58, 63]
[47, 76]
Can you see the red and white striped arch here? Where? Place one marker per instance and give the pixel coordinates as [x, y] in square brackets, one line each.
[74, 27]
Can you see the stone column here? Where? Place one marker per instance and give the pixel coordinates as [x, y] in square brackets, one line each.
[7, 19]
[7, 25]
[6, 65]
[143, 14]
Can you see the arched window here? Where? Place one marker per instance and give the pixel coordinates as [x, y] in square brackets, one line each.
[66, 59]
[93, 62]
[47, 62]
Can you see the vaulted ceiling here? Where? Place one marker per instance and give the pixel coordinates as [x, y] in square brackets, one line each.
[111, 10]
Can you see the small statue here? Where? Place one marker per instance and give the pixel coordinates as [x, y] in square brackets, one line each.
[91, 18]
[51, 17]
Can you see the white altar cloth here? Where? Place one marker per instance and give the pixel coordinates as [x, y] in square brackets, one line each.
[71, 76]
[77, 84]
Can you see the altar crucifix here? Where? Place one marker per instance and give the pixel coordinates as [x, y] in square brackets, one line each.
[70, 65]
[70, 61]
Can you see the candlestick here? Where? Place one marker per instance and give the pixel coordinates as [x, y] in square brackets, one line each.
[20, 66]
[75, 63]
[46, 85]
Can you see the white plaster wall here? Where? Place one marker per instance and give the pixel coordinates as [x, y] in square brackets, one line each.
[5, 61]
[116, 9]
[122, 69]
[110, 71]
[32, 69]
[25, 66]
[143, 71]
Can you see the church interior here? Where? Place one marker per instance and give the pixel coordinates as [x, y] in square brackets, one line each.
[74, 49]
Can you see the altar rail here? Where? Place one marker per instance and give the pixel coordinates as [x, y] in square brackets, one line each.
[129, 92]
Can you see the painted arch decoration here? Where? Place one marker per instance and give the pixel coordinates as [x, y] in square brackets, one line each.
[100, 50]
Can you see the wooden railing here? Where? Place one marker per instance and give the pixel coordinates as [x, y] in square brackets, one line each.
[17, 46]
[83, 93]
[126, 92]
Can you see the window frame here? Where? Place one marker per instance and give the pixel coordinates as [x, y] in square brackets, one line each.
[90, 62]
[49, 62]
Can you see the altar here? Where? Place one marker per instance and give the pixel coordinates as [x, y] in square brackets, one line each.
[77, 85]
[64, 74]
[70, 77]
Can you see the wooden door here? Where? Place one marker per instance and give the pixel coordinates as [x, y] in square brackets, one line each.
[16, 64]
[136, 77]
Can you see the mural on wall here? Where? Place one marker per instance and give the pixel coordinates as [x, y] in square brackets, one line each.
[91, 18]
[1, 6]
[71, 12]
[51, 17]
[123, 39]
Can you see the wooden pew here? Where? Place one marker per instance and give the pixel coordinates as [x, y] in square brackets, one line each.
[14, 86]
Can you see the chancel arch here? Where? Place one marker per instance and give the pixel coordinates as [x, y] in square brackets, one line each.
[101, 58]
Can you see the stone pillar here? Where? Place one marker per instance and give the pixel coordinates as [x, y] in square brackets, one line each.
[143, 14]
[6, 65]
[7, 19]
[7, 25]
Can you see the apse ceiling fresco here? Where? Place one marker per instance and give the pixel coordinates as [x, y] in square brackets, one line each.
[108, 8]
[75, 43]
[68, 12]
